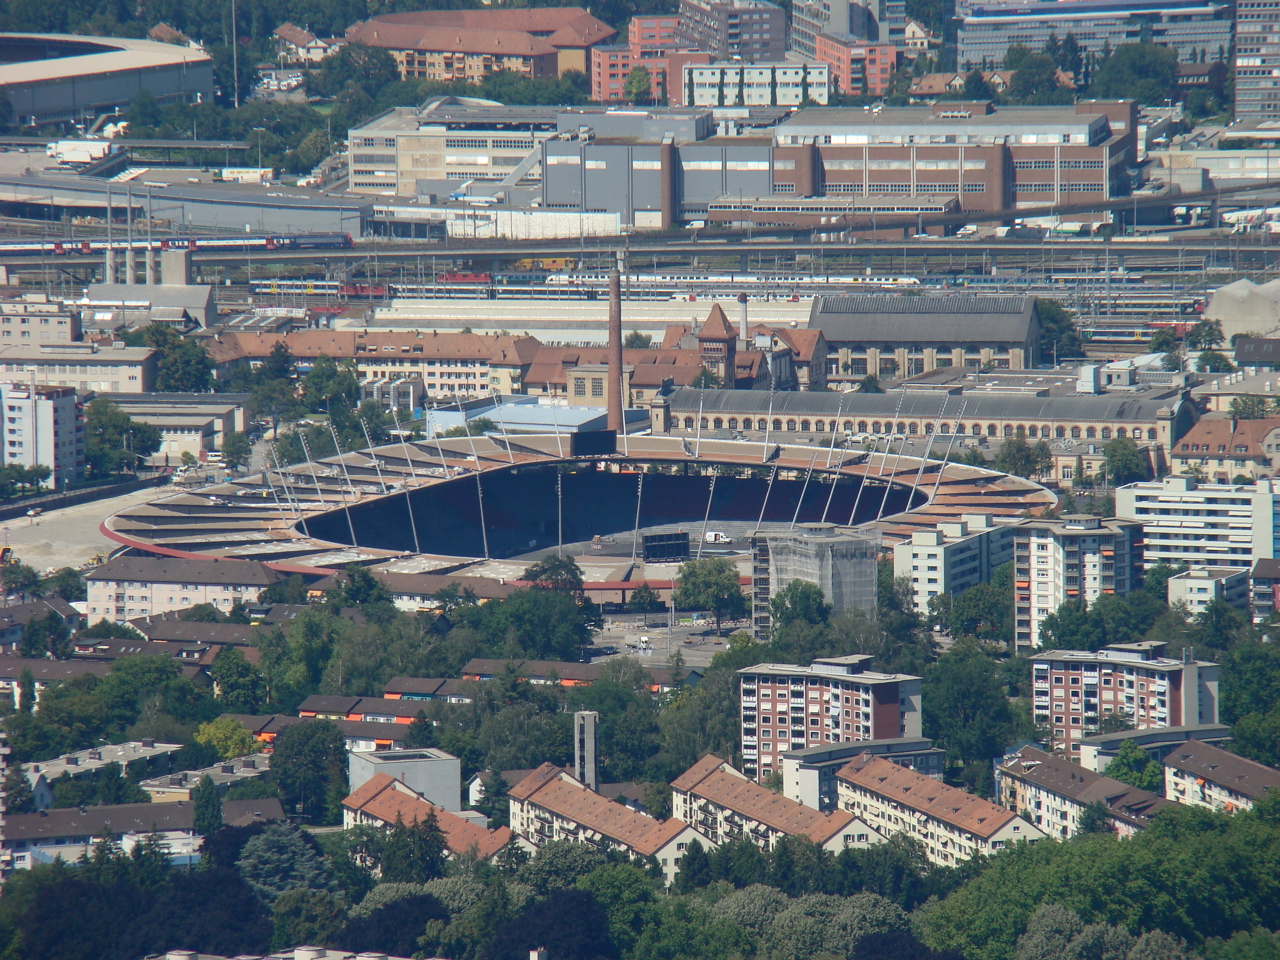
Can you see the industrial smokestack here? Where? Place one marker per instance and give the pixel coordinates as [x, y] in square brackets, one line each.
[615, 352]
[742, 318]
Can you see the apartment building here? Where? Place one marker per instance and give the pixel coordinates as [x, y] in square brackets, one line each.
[858, 67]
[612, 64]
[359, 735]
[383, 801]
[550, 805]
[785, 707]
[809, 775]
[1194, 30]
[841, 562]
[752, 30]
[1201, 775]
[1197, 588]
[43, 427]
[950, 825]
[34, 318]
[1204, 524]
[178, 787]
[129, 587]
[471, 44]
[43, 672]
[1074, 689]
[1226, 450]
[84, 366]
[1264, 589]
[953, 557]
[1077, 557]
[450, 365]
[1099, 749]
[1053, 793]
[727, 806]
[1257, 65]
[739, 84]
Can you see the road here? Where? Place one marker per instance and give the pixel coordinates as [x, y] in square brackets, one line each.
[69, 537]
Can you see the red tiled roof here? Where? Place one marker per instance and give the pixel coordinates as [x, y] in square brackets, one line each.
[567, 798]
[559, 26]
[717, 326]
[713, 779]
[295, 35]
[397, 36]
[972, 814]
[385, 798]
[1213, 432]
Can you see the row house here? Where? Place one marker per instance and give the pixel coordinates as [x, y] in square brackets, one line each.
[359, 709]
[129, 587]
[950, 825]
[1199, 774]
[785, 707]
[1073, 690]
[1053, 793]
[569, 674]
[359, 735]
[550, 805]
[382, 801]
[726, 806]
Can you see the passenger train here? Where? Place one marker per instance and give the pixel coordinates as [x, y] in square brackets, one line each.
[593, 278]
[247, 243]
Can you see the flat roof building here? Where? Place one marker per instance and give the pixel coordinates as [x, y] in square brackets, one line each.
[953, 557]
[785, 707]
[57, 78]
[751, 30]
[1197, 588]
[1074, 689]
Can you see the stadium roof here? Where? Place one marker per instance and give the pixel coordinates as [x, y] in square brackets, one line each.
[101, 55]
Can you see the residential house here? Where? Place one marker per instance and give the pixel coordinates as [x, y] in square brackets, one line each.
[1223, 449]
[16, 616]
[432, 774]
[809, 774]
[359, 734]
[177, 787]
[296, 45]
[550, 805]
[129, 587]
[136, 759]
[1195, 589]
[950, 825]
[68, 834]
[1099, 749]
[570, 674]
[43, 672]
[429, 688]
[727, 806]
[1201, 775]
[383, 801]
[415, 592]
[1053, 793]
[1073, 689]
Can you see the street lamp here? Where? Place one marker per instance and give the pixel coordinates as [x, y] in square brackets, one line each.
[260, 131]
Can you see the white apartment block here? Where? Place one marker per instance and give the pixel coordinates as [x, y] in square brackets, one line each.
[1074, 689]
[34, 318]
[785, 707]
[550, 805]
[951, 826]
[129, 587]
[43, 427]
[1201, 775]
[1200, 586]
[756, 85]
[84, 366]
[1053, 793]
[952, 557]
[1075, 558]
[725, 806]
[1204, 524]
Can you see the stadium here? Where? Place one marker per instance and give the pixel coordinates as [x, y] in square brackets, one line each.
[465, 500]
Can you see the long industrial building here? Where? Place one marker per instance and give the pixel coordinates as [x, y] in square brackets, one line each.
[55, 78]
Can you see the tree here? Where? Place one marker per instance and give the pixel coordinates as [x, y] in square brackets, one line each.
[21, 579]
[695, 868]
[636, 340]
[710, 584]
[206, 806]
[26, 691]
[1059, 338]
[800, 601]
[280, 859]
[977, 88]
[1205, 335]
[638, 84]
[1211, 361]
[1125, 462]
[706, 380]
[870, 384]
[113, 441]
[1146, 72]
[965, 708]
[18, 795]
[1094, 819]
[307, 916]
[356, 587]
[184, 367]
[1251, 408]
[236, 450]
[421, 733]
[65, 583]
[555, 573]
[644, 599]
[414, 852]
[228, 737]
[309, 763]
[1163, 340]
[1132, 766]
[1035, 81]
